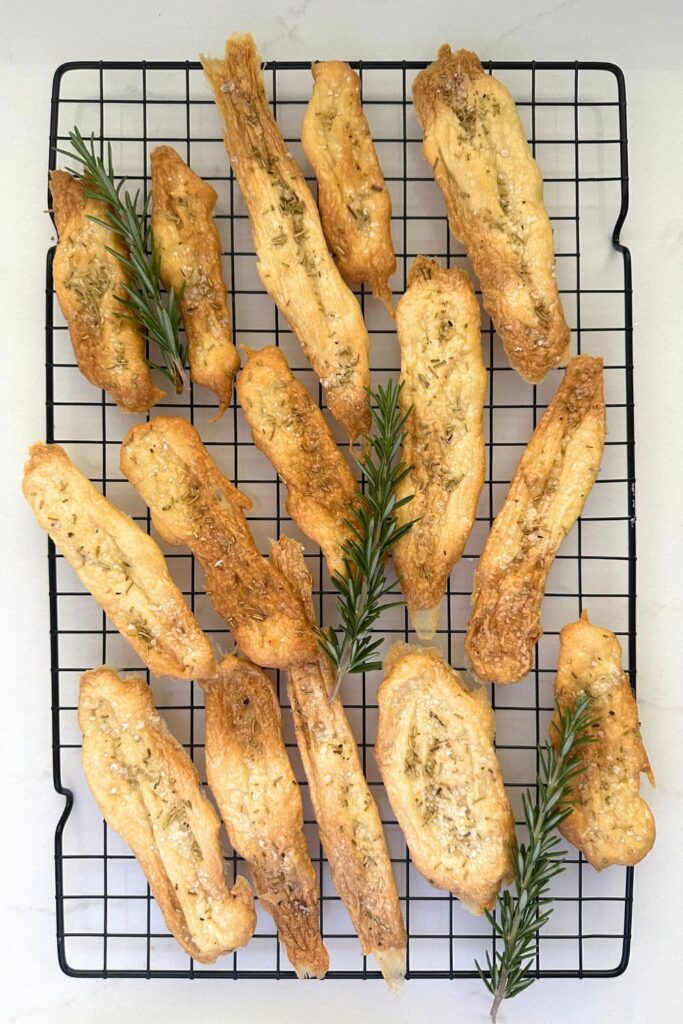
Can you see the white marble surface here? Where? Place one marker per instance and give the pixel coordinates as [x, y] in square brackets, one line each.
[646, 39]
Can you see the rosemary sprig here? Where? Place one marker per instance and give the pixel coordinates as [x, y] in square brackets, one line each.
[143, 300]
[521, 916]
[364, 586]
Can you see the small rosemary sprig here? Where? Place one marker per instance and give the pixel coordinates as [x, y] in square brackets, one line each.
[364, 586]
[143, 301]
[520, 915]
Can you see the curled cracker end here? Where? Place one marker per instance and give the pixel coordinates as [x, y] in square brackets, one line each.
[424, 621]
[392, 964]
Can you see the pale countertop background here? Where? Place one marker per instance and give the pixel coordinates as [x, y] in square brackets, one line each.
[646, 39]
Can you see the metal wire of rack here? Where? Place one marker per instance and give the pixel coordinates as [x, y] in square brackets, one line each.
[575, 116]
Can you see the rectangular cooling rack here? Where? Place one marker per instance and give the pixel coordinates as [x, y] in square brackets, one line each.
[575, 117]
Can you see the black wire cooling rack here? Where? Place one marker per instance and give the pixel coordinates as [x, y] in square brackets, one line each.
[575, 116]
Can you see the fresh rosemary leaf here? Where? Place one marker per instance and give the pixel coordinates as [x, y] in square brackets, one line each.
[519, 917]
[362, 590]
[143, 301]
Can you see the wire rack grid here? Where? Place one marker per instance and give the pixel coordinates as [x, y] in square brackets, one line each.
[575, 117]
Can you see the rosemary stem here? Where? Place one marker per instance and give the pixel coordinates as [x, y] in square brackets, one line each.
[527, 909]
[500, 992]
[348, 644]
[179, 377]
[525, 881]
[141, 298]
[374, 528]
[340, 674]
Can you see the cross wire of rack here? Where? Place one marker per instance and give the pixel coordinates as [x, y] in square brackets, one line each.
[575, 118]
